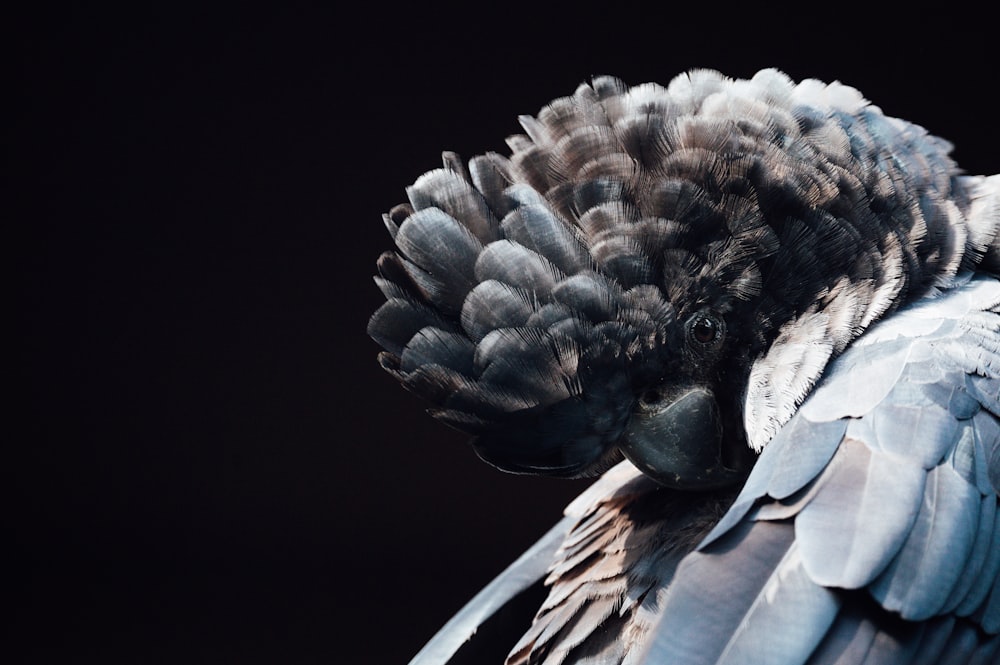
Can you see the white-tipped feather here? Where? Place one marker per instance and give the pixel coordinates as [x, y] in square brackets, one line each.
[780, 380]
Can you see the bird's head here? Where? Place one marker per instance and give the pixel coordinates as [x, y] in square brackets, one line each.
[659, 273]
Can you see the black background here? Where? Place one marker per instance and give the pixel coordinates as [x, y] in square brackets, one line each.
[208, 465]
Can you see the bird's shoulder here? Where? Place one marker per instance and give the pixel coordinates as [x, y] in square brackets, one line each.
[869, 526]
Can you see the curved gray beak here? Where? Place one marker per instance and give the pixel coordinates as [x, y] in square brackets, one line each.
[678, 442]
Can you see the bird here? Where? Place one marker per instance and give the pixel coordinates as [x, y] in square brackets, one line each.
[764, 317]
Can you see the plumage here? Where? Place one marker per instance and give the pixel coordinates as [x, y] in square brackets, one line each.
[449, 192]
[782, 309]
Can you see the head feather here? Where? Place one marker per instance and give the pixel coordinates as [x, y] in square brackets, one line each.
[532, 296]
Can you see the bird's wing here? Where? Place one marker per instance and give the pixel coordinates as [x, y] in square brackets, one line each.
[529, 569]
[880, 494]
[607, 580]
[868, 530]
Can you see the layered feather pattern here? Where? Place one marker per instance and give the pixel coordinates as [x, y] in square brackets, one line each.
[540, 300]
[531, 298]
[881, 480]
[868, 531]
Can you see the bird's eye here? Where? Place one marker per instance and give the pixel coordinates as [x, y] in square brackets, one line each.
[650, 397]
[705, 329]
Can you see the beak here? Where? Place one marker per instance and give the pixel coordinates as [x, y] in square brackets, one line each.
[678, 441]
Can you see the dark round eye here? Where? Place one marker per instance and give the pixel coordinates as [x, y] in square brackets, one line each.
[704, 329]
[650, 396]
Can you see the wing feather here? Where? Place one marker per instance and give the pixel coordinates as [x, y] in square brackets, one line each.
[525, 571]
[927, 568]
[758, 583]
[898, 521]
[885, 493]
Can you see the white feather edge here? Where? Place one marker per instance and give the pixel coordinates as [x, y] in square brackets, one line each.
[782, 378]
[983, 216]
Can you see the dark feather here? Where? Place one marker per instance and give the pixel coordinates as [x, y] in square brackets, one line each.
[492, 305]
[514, 264]
[533, 225]
[454, 195]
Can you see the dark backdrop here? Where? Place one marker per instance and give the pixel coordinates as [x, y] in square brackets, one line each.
[208, 465]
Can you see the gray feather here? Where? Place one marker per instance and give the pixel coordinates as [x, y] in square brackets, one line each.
[433, 346]
[492, 305]
[921, 577]
[514, 264]
[757, 578]
[490, 174]
[535, 226]
[436, 242]
[455, 196]
[979, 593]
[885, 493]
[975, 565]
[525, 571]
